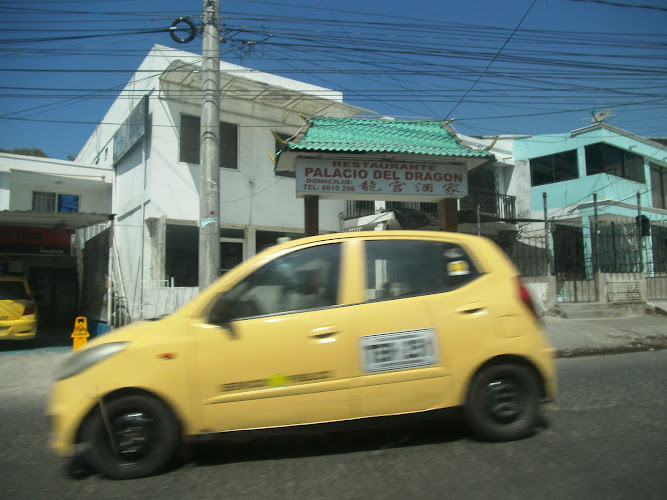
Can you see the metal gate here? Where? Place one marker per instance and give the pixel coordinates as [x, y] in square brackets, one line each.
[572, 266]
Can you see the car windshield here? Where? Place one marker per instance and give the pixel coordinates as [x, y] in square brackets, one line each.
[12, 290]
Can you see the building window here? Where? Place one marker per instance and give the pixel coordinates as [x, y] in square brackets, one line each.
[554, 168]
[659, 248]
[659, 186]
[182, 255]
[190, 142]
[53, 202]
[606, 159]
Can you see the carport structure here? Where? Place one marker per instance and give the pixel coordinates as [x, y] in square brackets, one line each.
[38, 245]
[381, 160]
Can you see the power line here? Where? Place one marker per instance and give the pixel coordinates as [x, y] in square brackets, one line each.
[626, 5]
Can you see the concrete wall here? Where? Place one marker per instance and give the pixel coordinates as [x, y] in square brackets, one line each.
[542, 290]
[608, 187]
[21, 175]
[252, 197]
[513, 176]
[159, 302]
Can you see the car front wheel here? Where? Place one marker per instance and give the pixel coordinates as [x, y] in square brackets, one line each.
[502, 403]
[131, 436]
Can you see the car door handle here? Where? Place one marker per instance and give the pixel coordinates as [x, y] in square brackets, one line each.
[324, 332]
[472, 309]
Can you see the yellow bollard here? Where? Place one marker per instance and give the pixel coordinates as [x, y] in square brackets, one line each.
[80, 333]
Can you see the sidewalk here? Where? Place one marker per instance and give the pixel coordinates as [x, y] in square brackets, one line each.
[570, 337]
[583, 337]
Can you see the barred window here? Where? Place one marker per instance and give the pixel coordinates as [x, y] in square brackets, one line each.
[54, 202]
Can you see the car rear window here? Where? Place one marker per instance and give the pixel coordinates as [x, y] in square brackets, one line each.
[12, 290]
[399, 268]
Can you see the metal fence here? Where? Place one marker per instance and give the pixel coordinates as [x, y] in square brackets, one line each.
[490, 206]
[630, 266]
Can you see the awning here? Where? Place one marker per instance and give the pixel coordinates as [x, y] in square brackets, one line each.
[52, 220]
[182, 81]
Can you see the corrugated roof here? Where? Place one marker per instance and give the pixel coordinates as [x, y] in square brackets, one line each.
[355, 135]
[52, 220]
[180, 77]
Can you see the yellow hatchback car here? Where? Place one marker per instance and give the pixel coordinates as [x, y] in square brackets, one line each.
[18, 315]
[321, 329]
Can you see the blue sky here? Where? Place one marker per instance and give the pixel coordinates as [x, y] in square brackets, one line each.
[497, 67]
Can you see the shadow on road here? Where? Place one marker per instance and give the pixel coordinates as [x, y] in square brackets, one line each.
[372, 434]
[47, 337]
[328, 439]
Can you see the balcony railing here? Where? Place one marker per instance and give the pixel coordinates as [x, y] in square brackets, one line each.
[491, 206]
[357, 208]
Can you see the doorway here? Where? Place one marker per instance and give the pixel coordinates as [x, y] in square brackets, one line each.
[55, 291]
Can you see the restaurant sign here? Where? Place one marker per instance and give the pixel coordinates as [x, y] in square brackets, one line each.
[387, 180]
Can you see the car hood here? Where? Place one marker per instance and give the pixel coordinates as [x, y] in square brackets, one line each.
[127, 333]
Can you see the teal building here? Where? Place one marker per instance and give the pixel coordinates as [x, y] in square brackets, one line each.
[605, 191]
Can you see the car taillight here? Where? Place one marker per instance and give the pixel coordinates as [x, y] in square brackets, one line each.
[29, 307]
[524, 294]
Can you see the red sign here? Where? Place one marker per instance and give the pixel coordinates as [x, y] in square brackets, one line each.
[35, 240]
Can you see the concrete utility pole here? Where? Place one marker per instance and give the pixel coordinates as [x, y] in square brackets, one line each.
[209, 202]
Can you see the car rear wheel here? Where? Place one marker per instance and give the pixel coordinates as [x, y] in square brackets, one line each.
[502, 403]
[141, 439]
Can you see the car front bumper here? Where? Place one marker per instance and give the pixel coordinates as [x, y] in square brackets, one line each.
[69, 404]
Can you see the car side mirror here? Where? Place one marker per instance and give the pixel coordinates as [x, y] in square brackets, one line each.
[221, 315]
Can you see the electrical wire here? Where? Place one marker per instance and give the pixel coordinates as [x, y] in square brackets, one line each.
[406, 61]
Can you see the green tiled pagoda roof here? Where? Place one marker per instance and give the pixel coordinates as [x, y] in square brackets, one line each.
[379, 136]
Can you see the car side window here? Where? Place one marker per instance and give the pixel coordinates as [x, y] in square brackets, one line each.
[301, 280]
[402, 268]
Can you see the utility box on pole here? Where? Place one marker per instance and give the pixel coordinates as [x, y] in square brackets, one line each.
[209, 203]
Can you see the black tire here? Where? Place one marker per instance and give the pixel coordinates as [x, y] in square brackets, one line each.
[502, 403]
[145, 432]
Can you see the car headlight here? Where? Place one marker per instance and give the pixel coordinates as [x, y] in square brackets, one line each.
[87, 358]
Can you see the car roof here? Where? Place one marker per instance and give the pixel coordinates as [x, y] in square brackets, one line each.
[404, 234]
[12, 278]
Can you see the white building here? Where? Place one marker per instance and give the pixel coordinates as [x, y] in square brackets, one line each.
[155, 157]
[48, 208]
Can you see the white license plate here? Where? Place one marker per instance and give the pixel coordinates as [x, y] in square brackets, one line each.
[384, 352]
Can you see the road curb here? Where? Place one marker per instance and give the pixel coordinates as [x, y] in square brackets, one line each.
[603, 351]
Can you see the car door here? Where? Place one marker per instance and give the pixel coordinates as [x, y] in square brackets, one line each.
[283, 359]
[409, 310]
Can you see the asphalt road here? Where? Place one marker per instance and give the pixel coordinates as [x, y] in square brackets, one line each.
[604, 438]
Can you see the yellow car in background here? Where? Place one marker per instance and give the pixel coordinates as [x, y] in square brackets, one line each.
[18, 315]
[321, 329]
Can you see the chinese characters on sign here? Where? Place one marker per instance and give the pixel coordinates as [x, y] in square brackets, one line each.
[340, 179]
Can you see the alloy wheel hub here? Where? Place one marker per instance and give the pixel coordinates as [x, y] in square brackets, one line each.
[504, 400]
[132, 432]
